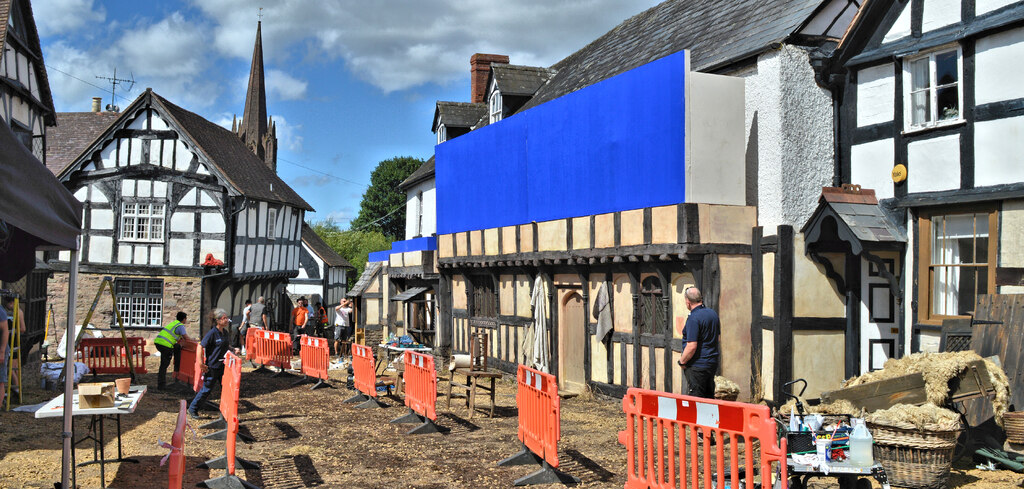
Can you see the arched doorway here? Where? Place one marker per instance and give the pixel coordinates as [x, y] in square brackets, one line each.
[572, 335]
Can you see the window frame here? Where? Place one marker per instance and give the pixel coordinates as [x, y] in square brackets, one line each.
[933, 120]
[419, 213]
[136, 217]
[272, 223]
[924, 257]
[442, 134]
[495, 106]
[151, 303]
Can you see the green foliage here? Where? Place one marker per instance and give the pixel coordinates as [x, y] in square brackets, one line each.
[354, 246]
[383, 206]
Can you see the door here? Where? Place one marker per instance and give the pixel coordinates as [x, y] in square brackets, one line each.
[571, 338]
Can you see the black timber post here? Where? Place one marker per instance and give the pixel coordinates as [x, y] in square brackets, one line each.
[783, 312]
[584, 274]
[443, 335]
[756, 310]
[634, 280]
[853, 298]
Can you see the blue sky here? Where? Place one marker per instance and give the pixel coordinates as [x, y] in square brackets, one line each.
[350, 82]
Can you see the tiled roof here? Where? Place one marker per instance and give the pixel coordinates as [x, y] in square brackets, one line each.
[458, 114]
[74, 132]
[32, 40]
[246, 172]
[322, 249]
[364, 280]
[520, 80]
[716, 33]
[425, 171]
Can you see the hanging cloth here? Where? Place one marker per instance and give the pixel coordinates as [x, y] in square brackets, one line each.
[539, 301]
[602, 311]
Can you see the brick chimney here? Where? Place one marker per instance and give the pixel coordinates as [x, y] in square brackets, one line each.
[479, 70]
[96, 102]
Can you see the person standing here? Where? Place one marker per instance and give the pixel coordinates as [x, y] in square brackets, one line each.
[342, 332]
[242, 328]
[257, 318]
[700, 356]
[216, 345]
[300, 316]
[168, 343]
[321, 320]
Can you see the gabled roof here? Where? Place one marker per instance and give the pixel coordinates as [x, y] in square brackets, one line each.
[716, 33]
[852, 215]
[517, 80]
[74, 132]
[322, 249]
[457, 114]
[372, 268]
[243, 170]
[425, 171]
[32, 35]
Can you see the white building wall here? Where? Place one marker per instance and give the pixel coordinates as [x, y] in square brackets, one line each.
[998, 67]
[428, 206]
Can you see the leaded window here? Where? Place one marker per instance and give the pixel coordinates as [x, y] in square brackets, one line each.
[142, 221]
[140, 301]
[652, 307]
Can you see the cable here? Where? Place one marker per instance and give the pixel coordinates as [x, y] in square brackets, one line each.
[323, 173]
[364, 226]
[58, 70]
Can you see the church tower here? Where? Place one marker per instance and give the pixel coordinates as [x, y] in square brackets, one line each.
[257, 131]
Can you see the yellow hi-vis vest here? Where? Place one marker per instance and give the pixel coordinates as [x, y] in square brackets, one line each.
[167, 336]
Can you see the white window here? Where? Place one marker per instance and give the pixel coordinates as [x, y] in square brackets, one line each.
[140, 301]
[142, 221]
[933, 94]
[272, 224]
[442, 134]
[419, 213]
[495, 106]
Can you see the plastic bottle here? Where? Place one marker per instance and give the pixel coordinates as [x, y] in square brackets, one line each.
[860, 445]
[794, 424]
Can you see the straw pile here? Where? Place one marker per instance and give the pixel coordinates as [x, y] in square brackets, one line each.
[938, 369]
[925, 417]
[725, 388]
[838, 407]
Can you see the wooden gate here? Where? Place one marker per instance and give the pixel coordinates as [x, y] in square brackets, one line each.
[999, 330]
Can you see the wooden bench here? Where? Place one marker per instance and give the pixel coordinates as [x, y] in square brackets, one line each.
[473, 378]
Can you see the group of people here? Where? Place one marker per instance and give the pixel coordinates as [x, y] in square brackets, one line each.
[313, 322]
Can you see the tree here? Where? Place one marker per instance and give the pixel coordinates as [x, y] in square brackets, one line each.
[383, 206]
[354, 246]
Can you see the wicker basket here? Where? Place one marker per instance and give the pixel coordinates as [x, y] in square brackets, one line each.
[914, 458]
[1013, 423]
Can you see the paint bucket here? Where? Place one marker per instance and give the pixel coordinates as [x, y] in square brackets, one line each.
[123, 385]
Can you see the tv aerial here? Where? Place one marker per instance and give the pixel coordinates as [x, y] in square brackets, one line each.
[114, 82]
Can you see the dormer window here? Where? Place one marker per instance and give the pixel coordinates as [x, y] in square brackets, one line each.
[442, 135]
[495, 106]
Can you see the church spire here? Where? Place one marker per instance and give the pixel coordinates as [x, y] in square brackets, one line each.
[253, 128]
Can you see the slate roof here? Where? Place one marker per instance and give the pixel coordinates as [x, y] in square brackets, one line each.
[518, 80]
[861, 221]
[364, 280]
[716, 33]
[425, 171]
[74, 132]
[32, 35]
[457, 114]
[322, 249]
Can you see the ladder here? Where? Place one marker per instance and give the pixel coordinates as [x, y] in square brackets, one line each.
[14, 343]
[108, 283]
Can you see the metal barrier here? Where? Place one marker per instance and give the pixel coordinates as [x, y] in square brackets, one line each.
[315, 356]
[364, 375]
[420, 393]
[252, 354]
[712, 437]
[539, 427]
[176, 469]
[230, 390]
[187, 365]
[107, 355]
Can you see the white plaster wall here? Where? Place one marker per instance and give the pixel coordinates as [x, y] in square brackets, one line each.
[429, 206]
[214, 246]
[160, 189]
[141, 255]
[794, 136]
[183, 222]
[156, 255]
[180, 252]
[933, 164]
[96, 195]
[876, 92]
[128, 188]
[999, 151]
[100, 249]
[871, 167]
[211, 222]
[124, 254]
[983, 6]
[206, 200]
[939, 13]
[102, 219]
[109, 154]
[997, 60]
[189, 198]
[157, 122]
[901, 28]
[182, 156]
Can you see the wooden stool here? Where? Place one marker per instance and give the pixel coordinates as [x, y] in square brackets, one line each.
[472, 382]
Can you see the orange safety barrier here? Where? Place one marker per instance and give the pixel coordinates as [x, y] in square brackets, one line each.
[197, 369]
[187, 364]
[364, 375]
[107, 355]
[420, 393]
[273, 348]
[539, 427]
[315, 355]
[251, 353]
[230, 390]
[720, 433]
[176, 470]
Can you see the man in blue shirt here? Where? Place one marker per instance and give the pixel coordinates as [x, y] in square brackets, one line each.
[215, 344]
[701, 354]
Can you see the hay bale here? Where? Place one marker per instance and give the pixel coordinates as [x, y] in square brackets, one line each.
[926, 417]
[836, 408]
[726, 389]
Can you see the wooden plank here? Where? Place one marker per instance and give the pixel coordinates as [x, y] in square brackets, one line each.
[973, 382]
[882, 394]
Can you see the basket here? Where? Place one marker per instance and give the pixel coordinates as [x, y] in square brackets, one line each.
[918, 459]
[1013, 423]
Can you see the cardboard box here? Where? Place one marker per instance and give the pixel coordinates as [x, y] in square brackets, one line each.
[96, 395]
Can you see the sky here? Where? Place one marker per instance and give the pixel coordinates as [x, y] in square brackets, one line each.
[349, 82]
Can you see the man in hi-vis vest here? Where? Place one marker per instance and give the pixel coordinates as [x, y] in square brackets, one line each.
[168, 344]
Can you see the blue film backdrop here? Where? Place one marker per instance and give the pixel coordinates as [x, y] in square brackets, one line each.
[614, 145]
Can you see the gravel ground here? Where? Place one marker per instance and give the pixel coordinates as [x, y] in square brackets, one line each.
[311, 439]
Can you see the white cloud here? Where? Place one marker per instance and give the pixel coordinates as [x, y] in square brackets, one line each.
[285, 86]
[414, 42]
[288, 136]
[170, 48]
[65, 16]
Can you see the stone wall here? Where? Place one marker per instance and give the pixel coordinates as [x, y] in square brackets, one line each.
[180, 294]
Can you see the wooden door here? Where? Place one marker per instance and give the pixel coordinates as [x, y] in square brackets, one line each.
[571, 338]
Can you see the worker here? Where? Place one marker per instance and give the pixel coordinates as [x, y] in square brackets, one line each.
[700, 356]
[168, 343]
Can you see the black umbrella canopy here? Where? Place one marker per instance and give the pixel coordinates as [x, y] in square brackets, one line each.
[36, 211]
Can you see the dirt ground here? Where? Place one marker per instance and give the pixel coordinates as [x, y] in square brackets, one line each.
[310, 438]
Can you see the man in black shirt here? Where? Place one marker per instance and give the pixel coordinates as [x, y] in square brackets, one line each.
[215, 344]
